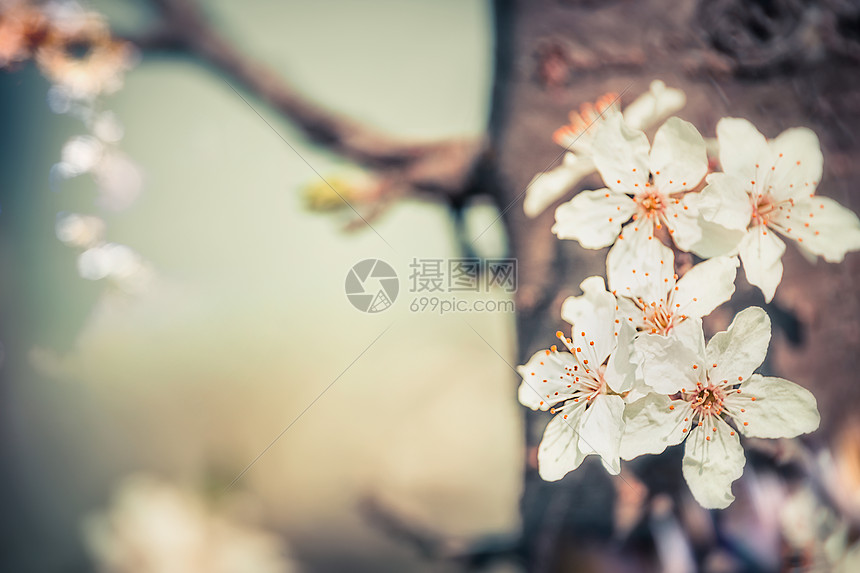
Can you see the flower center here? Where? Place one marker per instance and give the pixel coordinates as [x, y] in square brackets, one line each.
[708, 400]
[657, 316]
[651, 203]
[762, 206]
[587, 382]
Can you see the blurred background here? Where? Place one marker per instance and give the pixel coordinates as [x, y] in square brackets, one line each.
[184, 188]
[186, 377]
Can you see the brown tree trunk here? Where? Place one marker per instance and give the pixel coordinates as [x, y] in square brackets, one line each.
[778, 64]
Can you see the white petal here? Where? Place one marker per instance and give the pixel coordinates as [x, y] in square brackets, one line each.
[797, 163]
[781, 409]
[620, 372]
[652, 424]
[678, 157]
[639, 390]
[706, 286]
[629, 313]
[547, 187]
[651, 107]
[741, 147]
[648, 284]
[593, 318]
[712, 461]
[761, 252]
[682, 220]
[635, 252]
[832, 229]
[690, 333]
[559, 452]
[621, 155]
[716, 241]
[670, 363]
[741, 349]
[593, 218]
[725, 201]
[601, 430]
[545, 379]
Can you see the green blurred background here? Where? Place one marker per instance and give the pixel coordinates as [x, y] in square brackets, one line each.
[247, 321]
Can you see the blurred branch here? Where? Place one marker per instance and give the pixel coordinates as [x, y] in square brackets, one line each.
[442, 168]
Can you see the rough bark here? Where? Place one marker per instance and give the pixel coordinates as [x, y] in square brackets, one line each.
[779, 64]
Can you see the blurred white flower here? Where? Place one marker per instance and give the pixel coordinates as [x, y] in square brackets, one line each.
[80, 154]
[118, 178]
[653, 106]
[123, 266]
[154, 527]
[119, 181]
[107, 127]
[699, 390]
[817, 534]
[80, 231]
[770, 186]
[646, 111]
[582, 386]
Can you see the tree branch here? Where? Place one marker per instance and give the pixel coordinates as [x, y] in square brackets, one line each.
[440, 168]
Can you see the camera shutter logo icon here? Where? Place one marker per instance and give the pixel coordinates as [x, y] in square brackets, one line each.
[372, 285]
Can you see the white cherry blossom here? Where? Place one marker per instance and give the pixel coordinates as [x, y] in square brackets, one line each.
[706, 395]
[658, 103]
[770, 186]
[646, 185]
[660, 304]
[583, 387]
[656, 301]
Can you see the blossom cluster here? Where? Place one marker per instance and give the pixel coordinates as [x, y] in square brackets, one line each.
[636, 374]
